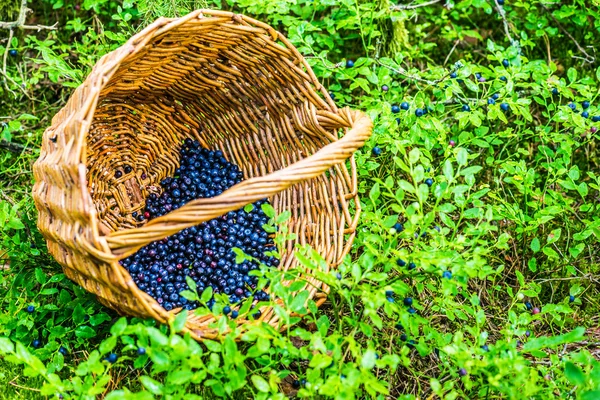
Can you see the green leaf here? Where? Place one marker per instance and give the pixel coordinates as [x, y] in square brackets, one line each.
[572, 74]
[180, 320]
[206, 294]
[461, 156]
[299, 300]
[374, 192]
[152, 385]
[85, 332]
[119, 327]
[535, 245]
[40, 276]
[260, 383]
[191, 283]
[249, 207]
[574, 374]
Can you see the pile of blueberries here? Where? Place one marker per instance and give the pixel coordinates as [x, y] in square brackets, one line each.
[203, 252]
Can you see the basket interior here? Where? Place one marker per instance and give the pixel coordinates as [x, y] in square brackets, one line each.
[232, 89]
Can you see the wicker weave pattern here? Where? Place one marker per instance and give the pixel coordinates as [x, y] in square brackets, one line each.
[230, 82]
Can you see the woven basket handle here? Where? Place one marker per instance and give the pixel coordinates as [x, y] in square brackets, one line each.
[126, 242]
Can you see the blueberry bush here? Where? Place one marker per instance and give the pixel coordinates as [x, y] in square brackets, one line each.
[475, 270]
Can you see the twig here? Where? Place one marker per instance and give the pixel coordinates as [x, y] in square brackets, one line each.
[505, 22]
[416, 78]
[413, 6]
[20, 22]
[587, 58]
[13, 147]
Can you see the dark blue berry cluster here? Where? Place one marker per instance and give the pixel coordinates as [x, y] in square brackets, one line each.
[203, 252]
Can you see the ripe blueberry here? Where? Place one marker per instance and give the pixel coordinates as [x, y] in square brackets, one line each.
[491, 101]
[385, 88]
[453, 75]
[528, 305]
[496, 96]
[411, 310]
[571, 299]
[485, 347]
[504, 107]
[466, 107]
[505, 63]
[141, 351]
[349, 63]
[226, 310]
[408, 301]
[36, 343]
[419, 112]
[234, 314]
[447, 274]
[404, 105]
[376, 151]
[596, 118]
[555, 91]
[503, 78]
[390, 299]
[527, 333]
[477, 75]
[398, 227]
[585, 114]
[429, 182]
[585, 104]
[338, 276]
[62, 350]
[30, 309]
[400, 262]
[462, 372]
[572, 106]
[412, 265]
[13, 52]
[296, 384]
[112, 358]
[395, 109]
[332, 95]
[501, 2]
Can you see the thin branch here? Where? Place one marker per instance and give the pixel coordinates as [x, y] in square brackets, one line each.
[403, 72]
[20, 22]
[588, 58]
[14, 147]
[413, 6]
[505, 22]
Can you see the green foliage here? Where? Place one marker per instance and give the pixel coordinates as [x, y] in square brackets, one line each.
[508, 224]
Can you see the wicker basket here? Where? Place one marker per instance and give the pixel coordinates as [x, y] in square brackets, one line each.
[231, 83]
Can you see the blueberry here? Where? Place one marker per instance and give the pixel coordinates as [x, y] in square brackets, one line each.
[453, 75]
[585, 114]
[399, 326]
[404, 105]
[496, 96]
[447, 275]
[403, 337]
[296, 384]
[349, 64]
[408, 301]
[412, 265]
[485, 347]
[234, 314]
[596, 118]
[501, 2]
[504, 106]
[585, 104]
[332, 95]
[411, 310]
[226, 310]
[429, 182]
[419, 112]
[338, 276]
[466, 107]
[398, 227]
[395, 109]
[451, 143]
[36, 343]
[400, 262]
[572, 106]
[376, 151]
[462, 371]
[503, 78]
[571, 299]
[118, 174]
[527, 333]
[477, 75]
[528, 305]
[30, 309]
[390, 299]
[112, 358]
[505, 63]
[555, 91]
[141, 351]
[491, 101]
[62, 350]
[13, 52]
[385, 88]
[482, 79]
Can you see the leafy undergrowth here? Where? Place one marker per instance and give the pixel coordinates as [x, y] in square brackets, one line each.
[475, 269]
